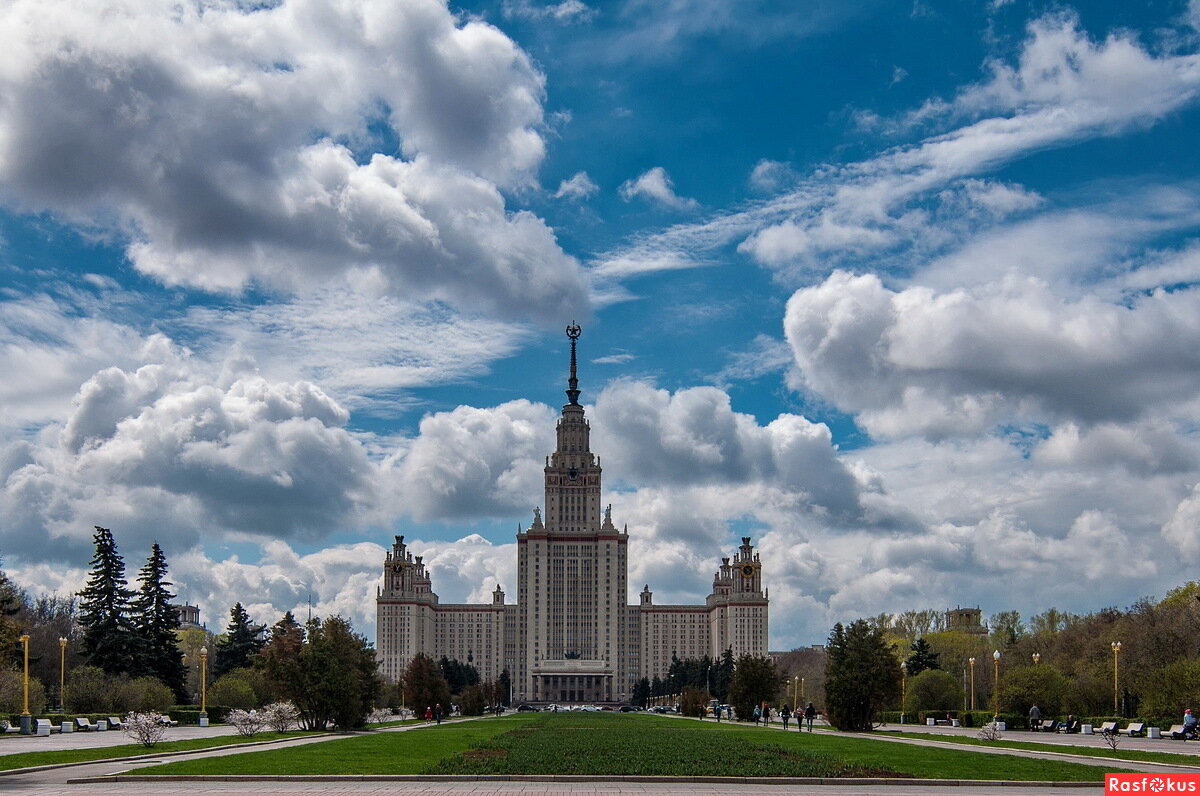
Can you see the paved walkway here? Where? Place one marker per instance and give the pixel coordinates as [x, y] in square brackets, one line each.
[13, 743]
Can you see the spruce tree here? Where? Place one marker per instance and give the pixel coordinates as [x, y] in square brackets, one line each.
[10, 630]
[240, 643]
[108, 638]
[922, 658]
[862, 675]
[156, 622]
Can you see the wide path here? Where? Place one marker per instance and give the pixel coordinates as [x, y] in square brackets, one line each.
[12, 744]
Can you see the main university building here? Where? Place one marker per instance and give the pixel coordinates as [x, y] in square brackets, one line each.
[570, 637]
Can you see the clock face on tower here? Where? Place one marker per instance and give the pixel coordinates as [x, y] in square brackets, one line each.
[747, 570]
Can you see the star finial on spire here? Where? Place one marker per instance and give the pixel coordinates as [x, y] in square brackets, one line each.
[573, 332]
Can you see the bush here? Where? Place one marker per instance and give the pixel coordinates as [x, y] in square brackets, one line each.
[932, 690]
[1039, 685]
[281, 716]
[12, 693]
[191, 714]
[472, 701]
[247, 722]
[90, 690]
[694, 702]
[235, 690]
[145, 728]
[143, 695]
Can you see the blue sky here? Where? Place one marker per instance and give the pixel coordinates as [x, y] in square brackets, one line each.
[907, 291]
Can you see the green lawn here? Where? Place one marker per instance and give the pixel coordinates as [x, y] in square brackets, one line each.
[25, 759]
[1136, 755]
[607, 744]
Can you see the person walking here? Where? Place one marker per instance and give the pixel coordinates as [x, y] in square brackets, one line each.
[428, 714]
[757, 714]
[785, 714]
[437, 713]
[1035, 719]
[810, 713]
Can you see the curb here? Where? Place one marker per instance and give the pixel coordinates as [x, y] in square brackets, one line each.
[849, 781]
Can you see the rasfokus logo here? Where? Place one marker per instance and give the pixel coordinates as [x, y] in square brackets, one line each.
[1152, 783]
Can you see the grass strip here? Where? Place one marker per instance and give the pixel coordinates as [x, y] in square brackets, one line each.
[607, 744]
[58, 756]
[412, 752]
[1134, 755]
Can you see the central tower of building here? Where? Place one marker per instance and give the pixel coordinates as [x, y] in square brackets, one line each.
[571, 637]
[571, 571]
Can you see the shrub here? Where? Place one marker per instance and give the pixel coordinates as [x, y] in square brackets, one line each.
[1039, 685]
[694, 702]
[247, 722]
[282, 716]
[89, 690]
[472, 701]
[380, 715]
[932, 690]
[143, 695]
[235, 690]
[12, 693]
[145, 728]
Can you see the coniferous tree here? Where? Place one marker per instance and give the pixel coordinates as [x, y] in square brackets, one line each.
[641, 692]
[239, 645]
[862, 675]
[755, 680]
[723, 675]
[505, 686]
[10, 631]
[922, 658]
[108, 638]
[281, 657]
[155, 622]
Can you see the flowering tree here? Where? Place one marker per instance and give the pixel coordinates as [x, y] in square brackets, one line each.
[280, 716]
[247, 722]
[146, 728]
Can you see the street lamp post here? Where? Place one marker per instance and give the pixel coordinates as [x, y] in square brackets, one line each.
[26, 718]
[62, 673]
[996, 686]
[1037, 658]
[802, 693]
[972, 662]
[204, 686]
[1116, 648]
[796, 691]
[903, 687]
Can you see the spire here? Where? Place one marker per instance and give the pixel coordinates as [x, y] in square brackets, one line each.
[573, 332]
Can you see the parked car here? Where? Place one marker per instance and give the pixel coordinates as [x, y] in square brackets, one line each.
[526, 709]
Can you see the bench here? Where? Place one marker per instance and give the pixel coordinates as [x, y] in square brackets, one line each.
[1107, 728]
[1069, 726]
[115, 724]
[44, 727]
[1134, 728]
[1179, 734]
[9, 727]
[1048, 725]
[85, 725]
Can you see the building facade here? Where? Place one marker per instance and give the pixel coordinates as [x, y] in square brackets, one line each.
[570, 636]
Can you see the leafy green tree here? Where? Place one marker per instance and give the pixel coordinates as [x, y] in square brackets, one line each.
[1007, 627]
[933, 689]
[156, 624]
[755, 680]
[109, 640]
[1171, 689]
[922, 658]
[334, 679]
[424, 685]
[862, 675]
[241, 642]
[1040, 685]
